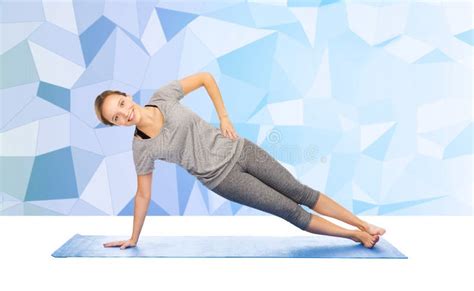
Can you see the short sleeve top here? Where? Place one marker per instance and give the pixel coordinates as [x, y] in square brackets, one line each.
[187, 140]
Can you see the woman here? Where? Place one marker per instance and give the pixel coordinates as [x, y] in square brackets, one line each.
[231, 166]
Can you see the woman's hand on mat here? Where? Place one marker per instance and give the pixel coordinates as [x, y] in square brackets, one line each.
[227, 128]
[123, 244]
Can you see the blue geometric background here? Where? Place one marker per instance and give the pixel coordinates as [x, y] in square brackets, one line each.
[369, 102]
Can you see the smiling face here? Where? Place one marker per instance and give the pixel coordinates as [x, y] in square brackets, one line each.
[120, 110]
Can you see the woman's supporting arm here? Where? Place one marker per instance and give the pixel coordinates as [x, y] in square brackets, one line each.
[141, 208]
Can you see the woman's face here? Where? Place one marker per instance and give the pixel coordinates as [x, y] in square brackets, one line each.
[120, 110]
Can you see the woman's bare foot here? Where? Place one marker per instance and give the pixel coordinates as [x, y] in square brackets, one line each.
[372, 229]
[365, 238]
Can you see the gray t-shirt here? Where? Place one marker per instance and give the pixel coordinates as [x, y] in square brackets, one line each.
[187, 140]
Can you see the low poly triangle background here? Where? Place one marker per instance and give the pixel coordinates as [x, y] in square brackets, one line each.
[369, 102]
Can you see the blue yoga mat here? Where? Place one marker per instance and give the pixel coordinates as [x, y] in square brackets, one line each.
[316, 246]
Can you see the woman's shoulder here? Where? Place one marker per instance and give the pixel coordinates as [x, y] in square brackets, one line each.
[170, 91]
[137, 144]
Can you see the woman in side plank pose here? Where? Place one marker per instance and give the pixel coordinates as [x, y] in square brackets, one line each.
[231, 166]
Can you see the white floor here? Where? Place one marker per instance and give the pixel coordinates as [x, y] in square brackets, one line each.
[439, 250]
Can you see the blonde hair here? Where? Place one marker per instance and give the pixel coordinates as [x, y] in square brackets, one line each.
[99, 103]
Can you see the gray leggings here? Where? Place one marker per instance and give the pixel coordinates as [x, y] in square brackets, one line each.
[259, 181]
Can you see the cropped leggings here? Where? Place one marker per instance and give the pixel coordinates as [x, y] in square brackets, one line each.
[259, 181]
